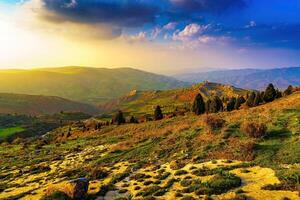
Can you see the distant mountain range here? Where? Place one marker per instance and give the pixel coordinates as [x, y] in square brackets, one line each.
[37, 105]
[248, 78]
[88, 85]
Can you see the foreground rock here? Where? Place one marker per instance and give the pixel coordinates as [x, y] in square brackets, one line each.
[79, 188]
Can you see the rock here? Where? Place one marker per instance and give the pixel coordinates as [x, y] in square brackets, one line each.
[80, 188]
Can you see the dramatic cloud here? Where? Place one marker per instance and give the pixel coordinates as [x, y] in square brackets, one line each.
[247, 22]
[121, 13]
[208, 5]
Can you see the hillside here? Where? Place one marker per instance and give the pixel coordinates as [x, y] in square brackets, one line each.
[88, 85]
[143, 102]
[248, 78]
[37, 105]
[177, 158]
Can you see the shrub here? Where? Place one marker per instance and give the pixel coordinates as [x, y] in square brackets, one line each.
[215, 105]
[240, 100]
[214, 122]
[250, 100]
[288, 91]
[255, 130]
[230, 104]
[133, 120]
[258, 100]
[187, 198]
[118, 118]
[270, 93]
[158, 113]
[180, 172]
[223, 182]
[97, 173]
[57, 195]
[198, 106]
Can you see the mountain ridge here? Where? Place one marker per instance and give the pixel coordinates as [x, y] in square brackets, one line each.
[88, 85]
[248, 78]
[41, 104]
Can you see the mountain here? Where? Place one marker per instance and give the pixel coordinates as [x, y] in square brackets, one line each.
[143, 102]
[37, 104]
[248, 78]
[88, 85]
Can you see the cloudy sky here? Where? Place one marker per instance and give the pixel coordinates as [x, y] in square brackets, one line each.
[166, 36]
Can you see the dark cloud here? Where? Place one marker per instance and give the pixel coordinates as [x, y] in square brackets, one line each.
[215, 6]
[119, 13]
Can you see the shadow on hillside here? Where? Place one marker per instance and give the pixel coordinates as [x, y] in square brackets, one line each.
[279, 134]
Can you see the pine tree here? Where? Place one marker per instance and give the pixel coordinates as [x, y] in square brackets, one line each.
[158, 113]
[198, 106]
[258, 99]
[207, 106]
[250, 100]
[216, 105]
[288, 91]
[278, 94]
[240, 100]
[270, 93]
[118, 118]
[230, 104]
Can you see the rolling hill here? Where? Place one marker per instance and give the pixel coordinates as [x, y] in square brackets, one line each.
[37, 104]
[88, 85]
[175, 158]
[248, 78]
[143, 102]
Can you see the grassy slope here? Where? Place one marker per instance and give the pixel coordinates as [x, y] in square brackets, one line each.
[143, 102]
[6, 132]
[187, 138]
[82, 84]
[36, 104]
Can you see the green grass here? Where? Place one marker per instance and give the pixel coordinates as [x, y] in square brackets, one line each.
[6, 132]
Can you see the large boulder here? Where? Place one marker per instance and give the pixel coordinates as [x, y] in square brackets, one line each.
[80, 188]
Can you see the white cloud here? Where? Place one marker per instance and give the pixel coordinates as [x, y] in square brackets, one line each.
[190, 32]
[139, 37]
[170, 26]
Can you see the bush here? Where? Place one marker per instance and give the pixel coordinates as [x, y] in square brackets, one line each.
[224, 182]
[97, 173]
[57, 195]
[255, 130]
[198, 106]
[214, 122]
[270, 93]
[288, 91]
[180, 172]
[118, 118]
[158, 115]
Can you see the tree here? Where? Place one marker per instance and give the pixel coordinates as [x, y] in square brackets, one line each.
[230, 104]
[215, 105]
[250, 100]
[258, 100]
[207, 106]
[118, 118]
[158, 113]
[278, 94]
[270, 93]
[288, 91]
[133, 120]
[198, 106]
[240, 100]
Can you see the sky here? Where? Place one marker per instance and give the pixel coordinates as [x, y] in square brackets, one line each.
[163, 36]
